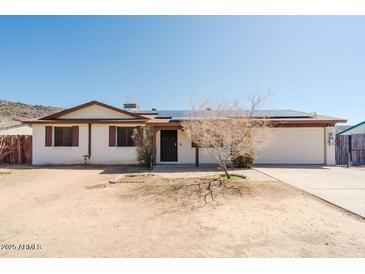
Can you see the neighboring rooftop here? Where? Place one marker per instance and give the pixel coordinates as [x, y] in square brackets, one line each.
[341, 128]
[356, 129]
[18, 129]
[8, 124]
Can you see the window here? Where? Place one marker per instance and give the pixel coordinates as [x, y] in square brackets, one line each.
[63, 136]
[124, 137]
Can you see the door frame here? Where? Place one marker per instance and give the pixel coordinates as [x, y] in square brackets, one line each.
[177, 150]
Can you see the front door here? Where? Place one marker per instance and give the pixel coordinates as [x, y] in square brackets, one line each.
[168, 145]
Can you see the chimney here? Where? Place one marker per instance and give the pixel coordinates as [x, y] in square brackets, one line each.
[131, 107]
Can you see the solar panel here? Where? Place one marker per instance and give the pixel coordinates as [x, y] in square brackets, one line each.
[186, 114]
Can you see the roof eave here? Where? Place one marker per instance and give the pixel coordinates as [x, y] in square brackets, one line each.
[94, 102]
[280, 121]
[85, 121]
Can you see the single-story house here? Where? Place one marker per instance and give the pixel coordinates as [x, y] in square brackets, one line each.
[101, 134]
[356, 129]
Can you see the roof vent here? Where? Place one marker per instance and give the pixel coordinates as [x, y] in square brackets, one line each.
[131, 107]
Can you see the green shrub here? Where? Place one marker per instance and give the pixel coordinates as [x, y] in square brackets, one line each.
[142, 138]
[243, 161]
[145, 158]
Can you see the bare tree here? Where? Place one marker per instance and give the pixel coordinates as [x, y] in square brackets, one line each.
[229, 130]
[4, 147]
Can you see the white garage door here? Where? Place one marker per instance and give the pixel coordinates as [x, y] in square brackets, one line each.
[294, 146]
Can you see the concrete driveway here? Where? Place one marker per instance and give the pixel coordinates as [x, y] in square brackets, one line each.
[344, 187]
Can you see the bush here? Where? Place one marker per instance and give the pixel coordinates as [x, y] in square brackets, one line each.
[243, 161]
[142, 138]
[144, 158]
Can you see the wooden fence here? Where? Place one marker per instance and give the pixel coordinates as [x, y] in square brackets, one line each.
[16, 149]
[350, 149]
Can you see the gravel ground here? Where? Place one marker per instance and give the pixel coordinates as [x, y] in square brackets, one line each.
[76, 212]
[189, 171]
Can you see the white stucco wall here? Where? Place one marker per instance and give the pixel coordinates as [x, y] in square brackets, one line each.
[43, 155]
[94, 112]
[101, 153]
[294, 146]
[287, 146]
[330, 138]
[185, 152]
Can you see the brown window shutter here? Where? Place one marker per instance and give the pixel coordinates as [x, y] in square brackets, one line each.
[112, 135]
[48, 138]
[75, 136]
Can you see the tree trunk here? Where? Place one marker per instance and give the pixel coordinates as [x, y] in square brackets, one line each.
[224, 166]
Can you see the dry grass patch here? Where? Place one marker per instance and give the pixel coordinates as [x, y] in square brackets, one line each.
[4, 173]
[181, 195]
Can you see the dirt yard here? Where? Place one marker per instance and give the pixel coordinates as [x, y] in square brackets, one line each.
[76, 212]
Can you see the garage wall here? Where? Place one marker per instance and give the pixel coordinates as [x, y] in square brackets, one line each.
[294, 146]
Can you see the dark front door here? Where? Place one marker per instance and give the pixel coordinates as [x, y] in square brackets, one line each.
[168, 146]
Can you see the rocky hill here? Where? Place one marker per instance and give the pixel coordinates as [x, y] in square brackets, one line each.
[15, 111]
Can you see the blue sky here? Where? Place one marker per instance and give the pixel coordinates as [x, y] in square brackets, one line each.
[309, 63]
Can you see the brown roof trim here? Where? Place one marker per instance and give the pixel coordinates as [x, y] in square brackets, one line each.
[320, 119]
[302, 125]
[288, 122]
[86, 121]
[168, 127]
[146, 113]
[63, 112]
[277, 123]
[165, 123]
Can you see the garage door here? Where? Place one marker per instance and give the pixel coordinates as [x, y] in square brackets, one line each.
[294, 146]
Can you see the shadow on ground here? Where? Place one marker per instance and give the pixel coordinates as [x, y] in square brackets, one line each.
[278, 166]
[191, 168]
